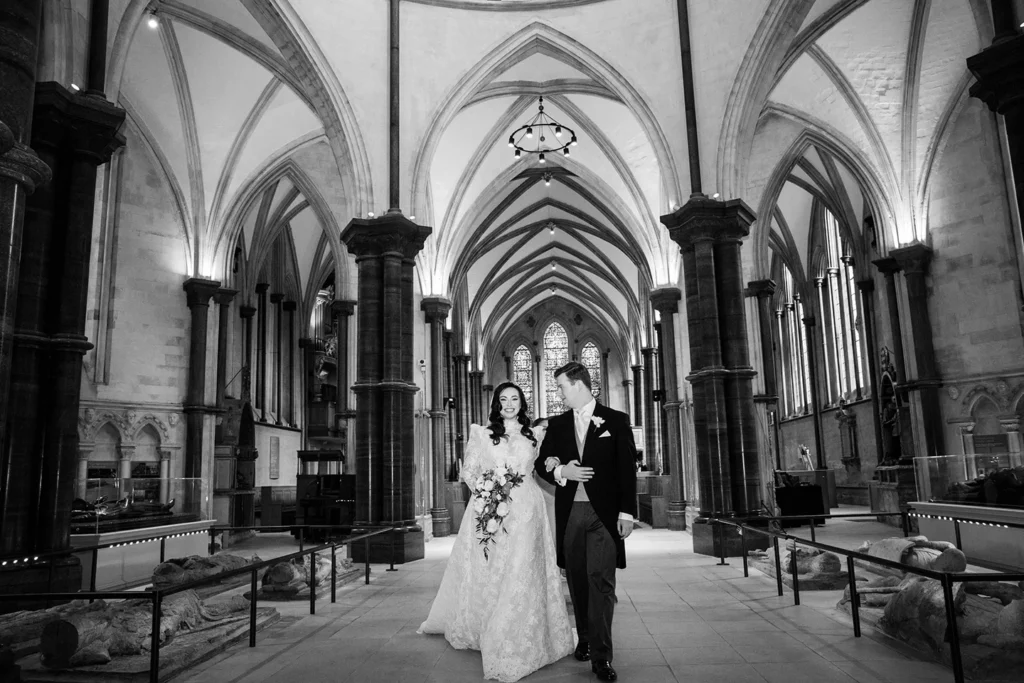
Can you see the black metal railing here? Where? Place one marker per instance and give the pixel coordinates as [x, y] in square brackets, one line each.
[157, 595]
[947, 579]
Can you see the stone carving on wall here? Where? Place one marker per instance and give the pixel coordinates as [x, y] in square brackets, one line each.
[127, 422]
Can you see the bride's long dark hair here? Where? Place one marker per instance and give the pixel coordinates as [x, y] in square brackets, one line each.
[497, 422]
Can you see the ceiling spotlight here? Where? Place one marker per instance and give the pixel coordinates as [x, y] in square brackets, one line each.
[547, 179]
[75, 87]
[152, 22]
[715, 196]
[551, 229]
[552, 289]
[554, 266]
[369, 214]
[412, 218]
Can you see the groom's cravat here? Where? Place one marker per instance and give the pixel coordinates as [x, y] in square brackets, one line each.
[581, 424]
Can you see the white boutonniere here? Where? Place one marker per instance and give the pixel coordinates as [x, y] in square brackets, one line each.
[598, 421]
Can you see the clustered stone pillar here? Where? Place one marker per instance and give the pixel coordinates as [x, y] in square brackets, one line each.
[223, 297]
[198, 292]
[247, 313]
[867, 292]
[710, 235]
[914, 261]
[460, 364]
[638, 396]
[476, 382]
[666, 301]
[999, 83]
[277, 299]
[435, 310]
[486, 392]
[764, 291]
[384, 248]
[289, 308]
[652, 440]
[812, 363]
[627, 387]
[342, 311]
[903, 440]
[261, 349]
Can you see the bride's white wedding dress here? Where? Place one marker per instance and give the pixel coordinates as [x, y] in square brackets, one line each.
[509, 607]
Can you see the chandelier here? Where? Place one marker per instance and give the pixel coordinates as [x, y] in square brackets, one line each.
[542, 135]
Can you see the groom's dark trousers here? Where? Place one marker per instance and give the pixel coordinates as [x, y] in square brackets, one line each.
[590, 554]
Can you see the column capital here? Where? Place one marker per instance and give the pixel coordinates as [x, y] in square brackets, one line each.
[666, 300]
[435, 308]
[638, 367]
[391, 232]
[914, 259]
[627, 382]
[343, 307]
[224, 296]
[21, 163]
[762, 289]
[887, 266]
[476, 373]
[649, 351]
[290, 306]
[461, 357]
[247, 312]
[999, 70]
[198, 291]
[276, 298]
[89, 123]
[703, 218]
[262, 287]
[487, 387]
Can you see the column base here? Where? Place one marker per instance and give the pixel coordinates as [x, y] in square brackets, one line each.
[407, 543]
[64, 575]
[677, 515]
[709, 539]
[441, 522]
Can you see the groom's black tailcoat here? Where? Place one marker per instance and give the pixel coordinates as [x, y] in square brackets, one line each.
[612, 489]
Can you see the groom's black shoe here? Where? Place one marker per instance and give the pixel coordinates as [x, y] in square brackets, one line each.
[582, 652]
[604, 670]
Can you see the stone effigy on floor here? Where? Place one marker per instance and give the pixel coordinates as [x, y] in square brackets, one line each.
[290, 580]
[818, 570]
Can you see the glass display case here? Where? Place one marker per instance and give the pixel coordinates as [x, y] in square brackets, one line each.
[984, 479]
[113, 504]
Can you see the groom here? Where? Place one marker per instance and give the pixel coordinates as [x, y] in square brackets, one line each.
[593, 446]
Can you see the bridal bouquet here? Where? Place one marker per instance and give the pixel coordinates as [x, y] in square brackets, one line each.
[491, 504]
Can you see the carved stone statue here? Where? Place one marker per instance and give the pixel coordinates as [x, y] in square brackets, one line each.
[286, 579]
[917, 551]
[184, 569]
[125, 628]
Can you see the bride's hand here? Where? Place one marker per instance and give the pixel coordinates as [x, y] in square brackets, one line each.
[551, 463]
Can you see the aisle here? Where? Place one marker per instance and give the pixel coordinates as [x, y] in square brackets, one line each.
[680, 617]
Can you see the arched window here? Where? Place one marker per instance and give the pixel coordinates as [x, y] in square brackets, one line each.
[556, 354]
[842, 334]
[591, 359]
[522, 373]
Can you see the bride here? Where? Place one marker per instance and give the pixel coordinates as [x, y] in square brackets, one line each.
[502, 592]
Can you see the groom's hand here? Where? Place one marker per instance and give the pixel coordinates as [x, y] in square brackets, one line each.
[625, 527]
[574, 471]
[551, 463]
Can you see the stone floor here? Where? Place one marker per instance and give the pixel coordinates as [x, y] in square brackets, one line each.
[680, 617]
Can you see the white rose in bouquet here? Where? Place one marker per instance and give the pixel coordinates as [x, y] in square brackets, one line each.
[501, 481]
[478, 506]
[479, 483]
[488, 485]
[500, 471]
[492, 526]
[502, 509]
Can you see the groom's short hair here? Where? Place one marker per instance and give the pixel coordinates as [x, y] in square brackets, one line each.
[575, 372]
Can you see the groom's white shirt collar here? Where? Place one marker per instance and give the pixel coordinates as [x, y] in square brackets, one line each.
[587, 411]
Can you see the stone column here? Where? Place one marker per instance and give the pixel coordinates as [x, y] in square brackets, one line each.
[486, 392]
[540, 395]
[1013, 440]
[627, 386]
[764, 291]
[710, 235]
[289, 308]
[81, 489]
[73, 135]
[435, 311]
[638, 395]
[21, 171]
[165, 476]
[914, 261]
[261, 349]
[342, 310]
[476, 382]
[460, 372]
[652, 440]
[223, 298]
[198, 293]
[276, 299]
[867, 297]
[666, 301]
[812, 363]
[1000, 85]
[889, 267]
[384, 445]
[246, 313]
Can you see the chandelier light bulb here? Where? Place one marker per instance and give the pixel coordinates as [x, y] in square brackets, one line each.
[547, 181]
[573, 141]
[565, 152]
[529, 133]
[152, 22]
[552, 229]
[558, 131]
[553, 266]
[518, 154]
[511, 141]
[541, 158]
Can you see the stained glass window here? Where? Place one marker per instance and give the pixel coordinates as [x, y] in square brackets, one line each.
[556, 354]
[591, 359]
[522, 373]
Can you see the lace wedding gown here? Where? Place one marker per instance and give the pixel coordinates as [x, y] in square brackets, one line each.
[509, 607]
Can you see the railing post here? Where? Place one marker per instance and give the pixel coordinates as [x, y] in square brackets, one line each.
[301, 539]
[252, 609]
[905, 515]
[796, 576]
[743, 549]
[312, 582]
[854, 599]
[814, 537]
[154, 644]
[213, 538]
[954, 635]
[392, 535]
[721, 544]
[93, 570]
[778, 563]
[163, 548]
[956, 531]
[366, 547]
[334, 573]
